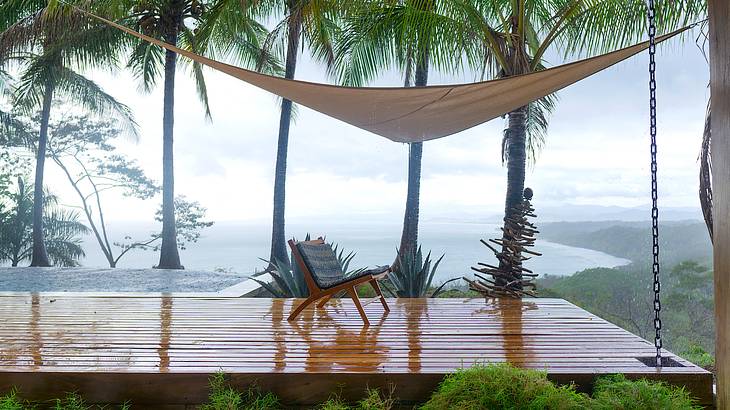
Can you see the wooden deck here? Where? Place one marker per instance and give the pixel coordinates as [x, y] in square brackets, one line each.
[161, 350]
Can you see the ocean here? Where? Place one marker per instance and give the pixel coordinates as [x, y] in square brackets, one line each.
[238, 247]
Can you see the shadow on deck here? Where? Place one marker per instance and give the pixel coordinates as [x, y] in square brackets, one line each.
[155, 351]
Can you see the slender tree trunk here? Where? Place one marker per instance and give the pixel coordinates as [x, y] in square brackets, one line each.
[18, 228]
[40, 256]
[169, 255]
[278, 230]
[409, 236]
[516, 140]
[515, 143]
[719, 14]
[103, 243]
[516, 158]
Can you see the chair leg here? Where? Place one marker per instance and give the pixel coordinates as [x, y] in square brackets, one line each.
[301, 307]
[353, 294]
[324, 301]
[376, 288]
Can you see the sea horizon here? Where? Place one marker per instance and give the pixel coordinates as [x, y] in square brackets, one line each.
[240, 246]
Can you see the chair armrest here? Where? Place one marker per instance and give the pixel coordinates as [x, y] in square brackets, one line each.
[378, 270]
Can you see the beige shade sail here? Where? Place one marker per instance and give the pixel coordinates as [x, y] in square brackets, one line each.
[416, 113]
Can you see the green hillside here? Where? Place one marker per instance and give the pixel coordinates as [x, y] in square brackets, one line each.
[679, 241]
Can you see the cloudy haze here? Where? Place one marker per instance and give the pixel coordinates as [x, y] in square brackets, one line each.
[596, 152]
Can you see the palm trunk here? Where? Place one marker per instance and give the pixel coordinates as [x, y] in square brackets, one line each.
[40, 256]
[409, 236]
[516, 163]
[169, 255]
[19, 229]
[278, 230]
[516, 158]
[515, 147]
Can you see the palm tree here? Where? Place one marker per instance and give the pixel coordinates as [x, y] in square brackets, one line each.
[173, 21]
[230, 31]
[411, 36]
[310, 23]
[50, 42]
[62, 229]
[215, 27]
[514, 36]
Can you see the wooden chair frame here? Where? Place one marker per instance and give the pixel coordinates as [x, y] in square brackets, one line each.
[317, 293]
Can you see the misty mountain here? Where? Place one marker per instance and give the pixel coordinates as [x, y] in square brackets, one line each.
[679, 240]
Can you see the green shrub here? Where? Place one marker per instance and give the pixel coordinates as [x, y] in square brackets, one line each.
[503, 387]
[11, 401]
[224, 397]
[373, 401]
[491, 387]
[617, 392]
[699, 356]
[72, 401]
[334, 403]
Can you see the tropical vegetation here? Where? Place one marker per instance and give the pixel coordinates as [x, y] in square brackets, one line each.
[173, 22]
[623, 295]
[62, 228]
[51, 45]
[412, 276]
[515, 37]
[50, 48]
[310, 24]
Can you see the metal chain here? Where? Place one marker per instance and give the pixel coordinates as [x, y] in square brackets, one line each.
[654, 189]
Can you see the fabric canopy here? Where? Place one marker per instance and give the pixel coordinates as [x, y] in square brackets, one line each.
[416, 113]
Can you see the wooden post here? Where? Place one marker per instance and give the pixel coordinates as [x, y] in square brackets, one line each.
[719, 15]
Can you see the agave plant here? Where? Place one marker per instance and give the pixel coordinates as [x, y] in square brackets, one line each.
[413, 274]
[289, 278]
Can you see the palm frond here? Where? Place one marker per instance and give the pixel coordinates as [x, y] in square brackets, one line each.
[189, 41]
[89, 95]
[537, 121]
[231, 30]
[62, 230]
[585, 32]
[145, 62]
[706, 202]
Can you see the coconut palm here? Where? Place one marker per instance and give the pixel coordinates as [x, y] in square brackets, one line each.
[50, 42]
[514, 37]
[410, 36]
[215, 27]
[62, 229]
[302, 23]
[173, 21]
[230, 31]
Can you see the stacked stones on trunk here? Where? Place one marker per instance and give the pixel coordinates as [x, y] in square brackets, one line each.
[510, 278]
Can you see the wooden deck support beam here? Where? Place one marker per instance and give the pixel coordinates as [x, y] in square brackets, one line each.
[719, 15]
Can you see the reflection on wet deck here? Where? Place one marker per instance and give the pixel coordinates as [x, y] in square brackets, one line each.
[151, 349]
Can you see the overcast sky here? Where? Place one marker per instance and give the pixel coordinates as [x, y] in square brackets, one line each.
[596, 153]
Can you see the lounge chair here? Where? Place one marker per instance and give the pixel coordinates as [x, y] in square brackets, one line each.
[324, 277]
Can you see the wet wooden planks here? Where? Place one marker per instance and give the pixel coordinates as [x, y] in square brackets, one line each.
[162, 350]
